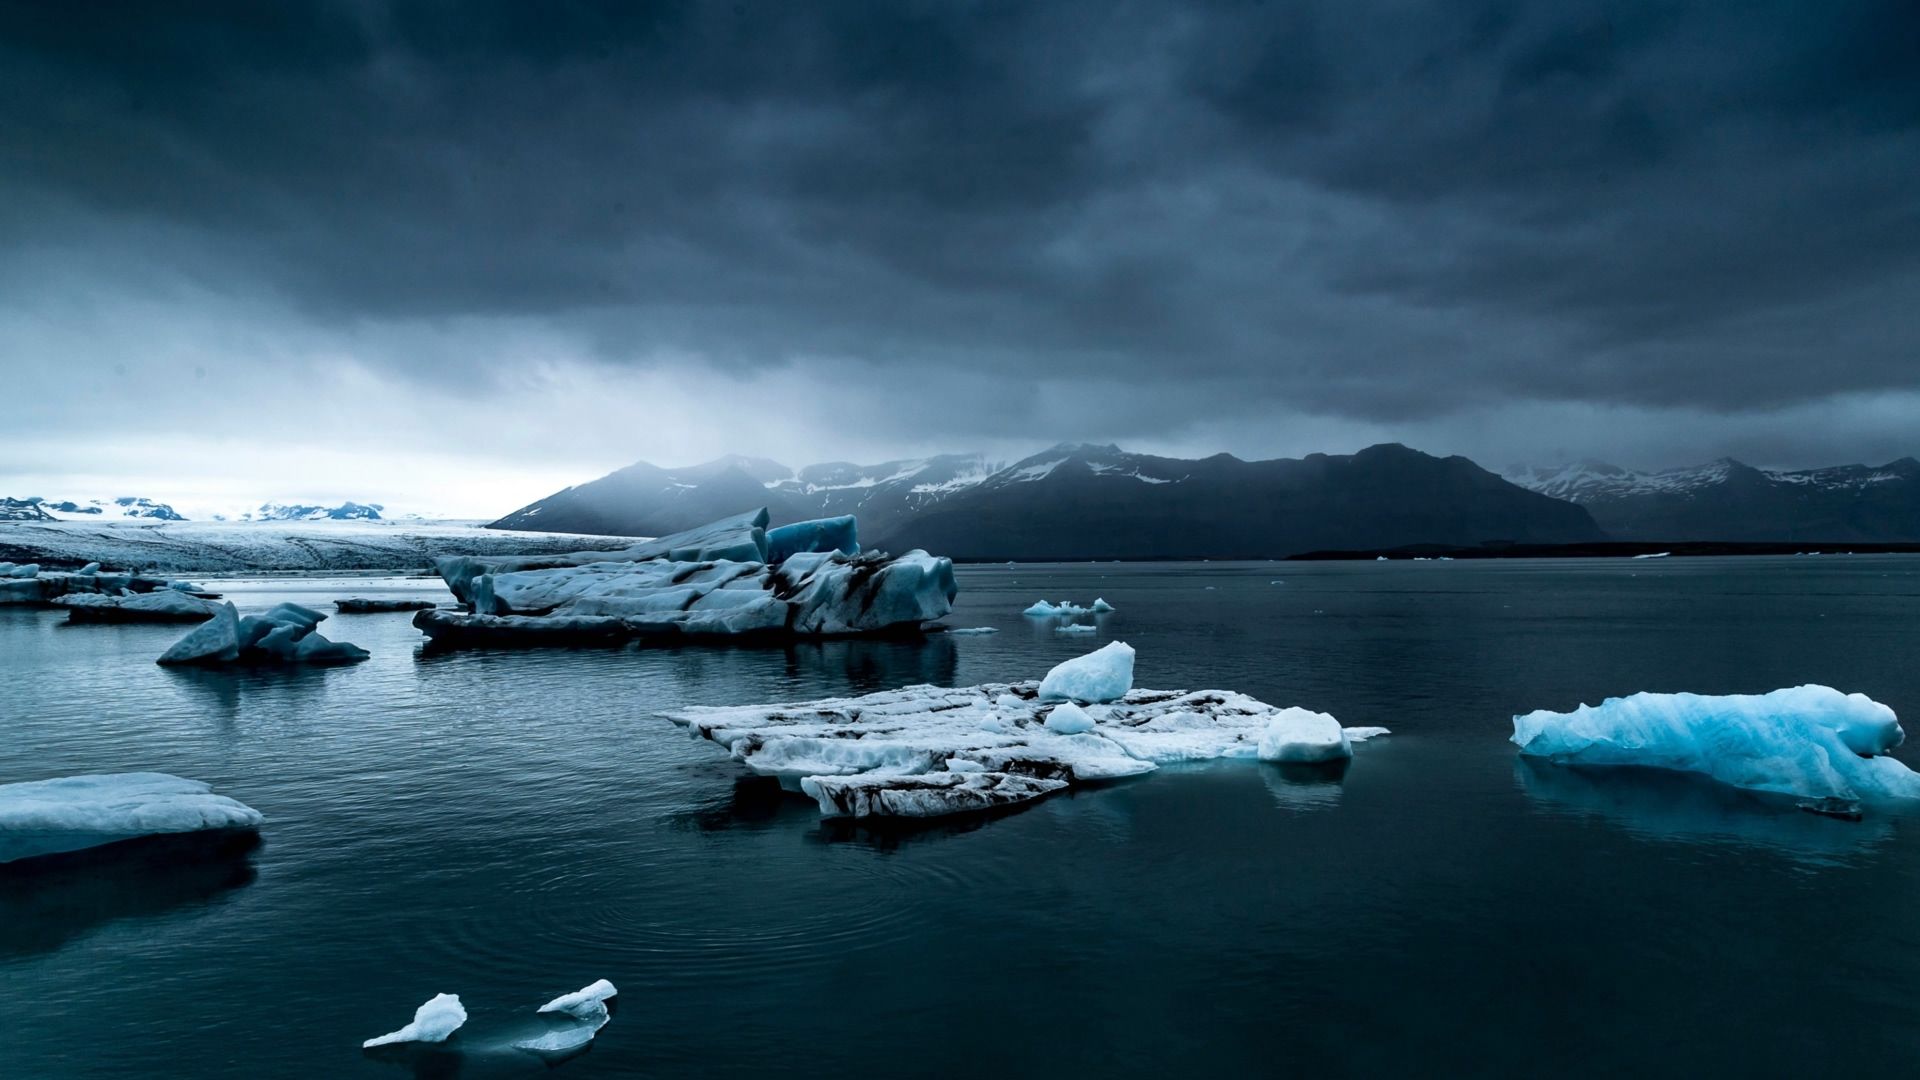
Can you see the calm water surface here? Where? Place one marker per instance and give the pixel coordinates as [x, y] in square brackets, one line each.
[510, 826]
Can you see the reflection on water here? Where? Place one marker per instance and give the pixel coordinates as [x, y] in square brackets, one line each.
[1297, 786]
[47, 902]
[1666, 805]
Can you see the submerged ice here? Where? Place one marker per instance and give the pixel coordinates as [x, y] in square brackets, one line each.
[72, 813]
[1810, 741]
[927, 751]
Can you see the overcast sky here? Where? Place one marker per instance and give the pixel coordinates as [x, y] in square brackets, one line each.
[453, 256]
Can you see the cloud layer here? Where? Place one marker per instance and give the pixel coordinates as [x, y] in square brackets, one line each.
[548, 239]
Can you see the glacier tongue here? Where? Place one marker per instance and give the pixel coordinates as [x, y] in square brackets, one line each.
[928, 751]
[1812, 741]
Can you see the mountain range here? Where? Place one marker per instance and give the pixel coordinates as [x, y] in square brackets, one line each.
[1727, 500]
[136, 507]
[1079, 501]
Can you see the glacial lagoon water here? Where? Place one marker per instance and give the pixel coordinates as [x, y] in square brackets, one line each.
[509, 826]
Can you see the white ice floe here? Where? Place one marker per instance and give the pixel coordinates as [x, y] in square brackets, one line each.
[927, 751]
[1811, 741]
[974, 630]
[685, 588]
[1105, 674]
[72, 813]
[440, 1017]
[283, 634]
[1654, 555]
[1076, 628]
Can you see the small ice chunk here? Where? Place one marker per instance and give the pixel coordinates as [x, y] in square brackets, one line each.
[1100, 676]
[1362, 734]
[1100, 606]
[1069, 719]
[1065, 609]
[440, 1017]
[595, 992]
[1303, 736]
[90, 569]
[568, 1040]
[975, 630]
[1075, 628]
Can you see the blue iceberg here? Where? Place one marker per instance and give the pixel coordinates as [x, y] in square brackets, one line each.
[1810, 741]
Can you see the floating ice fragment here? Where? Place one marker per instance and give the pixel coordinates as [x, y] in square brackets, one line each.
[595, 992]
[1811, 741]
[440, 1017]
[72, 813]
[974, 630]
[1075, 628]
[1103, 675]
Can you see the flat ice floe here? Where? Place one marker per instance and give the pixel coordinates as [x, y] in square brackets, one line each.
[726, 579]
[284, 634]
[1810, 741]
[440, 1017]
[928, 751]
[73, 813]
[161, 605]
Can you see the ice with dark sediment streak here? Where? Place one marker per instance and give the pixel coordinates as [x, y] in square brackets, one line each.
[161, 605]
[365, 605]
[73, 813]
[928, 751]
[283, 634]
[1810, 741]
[717, 581]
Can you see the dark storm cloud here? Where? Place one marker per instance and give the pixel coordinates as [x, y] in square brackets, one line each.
[1373, 211]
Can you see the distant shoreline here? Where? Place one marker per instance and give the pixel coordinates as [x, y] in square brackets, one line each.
[1617, 549]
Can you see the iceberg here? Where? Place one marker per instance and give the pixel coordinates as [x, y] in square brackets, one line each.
[360, 605]
[162, 605]
[806, 593]
[928, 751]
[1100, 606]
[742, 537]
[1103, 675]
[1810, 741]
[73, 813]
[839, 534]
[440, 1017]
[284, 634]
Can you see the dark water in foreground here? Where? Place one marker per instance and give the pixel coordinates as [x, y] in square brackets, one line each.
[510, 826]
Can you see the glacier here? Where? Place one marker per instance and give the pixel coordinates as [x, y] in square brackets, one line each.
[73, 813]
[720, 580]
[928, 751]
[1811, 741]
[284, 634]
[440, 1017]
